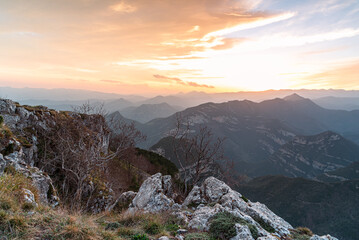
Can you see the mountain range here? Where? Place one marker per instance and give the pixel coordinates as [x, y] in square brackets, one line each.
[331, 98]
[148, 112]
[259, 135]
[310, 156]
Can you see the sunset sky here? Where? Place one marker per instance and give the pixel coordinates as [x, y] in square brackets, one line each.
[167, 46]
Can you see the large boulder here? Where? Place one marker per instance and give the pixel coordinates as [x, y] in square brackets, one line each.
[219, 197]
[152, 196]
[211, 191]
[123, 201]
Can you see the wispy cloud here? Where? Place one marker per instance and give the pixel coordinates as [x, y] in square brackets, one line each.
[181, 82]
[245, 26]
[123, 7]
[111, 81]
[343, 75]
[248, 44]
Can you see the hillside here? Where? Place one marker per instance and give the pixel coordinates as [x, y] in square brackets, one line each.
[350, 172]
[310, 156]
[249, 136]
[323, 207]
[148, 112]
[255, 131]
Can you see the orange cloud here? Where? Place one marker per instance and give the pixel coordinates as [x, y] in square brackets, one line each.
[181, 82]
[123, 7]
[342, 76]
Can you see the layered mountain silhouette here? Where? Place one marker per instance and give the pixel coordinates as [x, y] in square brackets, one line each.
[147, 112]
[256, 132]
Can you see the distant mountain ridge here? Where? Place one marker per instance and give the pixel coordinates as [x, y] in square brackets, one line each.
[310, 156]
[185, 100]
[148, 112]
[256, 131]
[344, 103]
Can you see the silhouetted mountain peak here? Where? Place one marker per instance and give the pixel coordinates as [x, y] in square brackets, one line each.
[294, 97]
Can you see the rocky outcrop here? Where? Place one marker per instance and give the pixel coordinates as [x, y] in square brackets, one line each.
[23, 138]
[223, 198]
[209, 199]
[205, 201]
[153, 195]
[29, 197]
[326, 237]
[122, 202]
[15, 159]
[40, 180]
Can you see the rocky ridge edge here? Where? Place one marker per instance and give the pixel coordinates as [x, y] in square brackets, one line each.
[205, 201]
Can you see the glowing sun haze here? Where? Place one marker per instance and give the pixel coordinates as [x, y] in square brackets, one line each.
[167, 46]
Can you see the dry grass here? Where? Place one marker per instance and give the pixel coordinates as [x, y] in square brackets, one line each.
[18, 221]
[11, 193]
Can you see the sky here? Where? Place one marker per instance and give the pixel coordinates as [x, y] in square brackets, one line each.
[170, 46]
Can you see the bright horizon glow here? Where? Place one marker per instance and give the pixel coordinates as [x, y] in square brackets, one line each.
[153, 47]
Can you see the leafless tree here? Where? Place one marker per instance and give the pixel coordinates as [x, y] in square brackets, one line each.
[197, 151]
[91, 109]
[76, 148]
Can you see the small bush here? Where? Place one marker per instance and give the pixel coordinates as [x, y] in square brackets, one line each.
[254, 231]
[301, 233]
[8, 149]
[139, 237]
[172, 228]
[223, 225]
[1, 120]
[26, 206]
[3, 216]
[17, 222]
[5, 205]
[197, 236]
[153, 228]
[244, 198]
[76, 232]
[112, 226]
[125, 232]
[304, 231]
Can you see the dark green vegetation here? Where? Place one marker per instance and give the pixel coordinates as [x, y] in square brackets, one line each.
[197, 236]
[222, 226]
[162, 164]
[326, 208]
